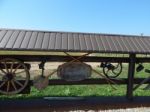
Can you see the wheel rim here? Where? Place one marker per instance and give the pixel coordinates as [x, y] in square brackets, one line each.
[113, 73]
[12, 79]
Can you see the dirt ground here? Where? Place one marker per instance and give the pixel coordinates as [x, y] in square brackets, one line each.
[54, 65]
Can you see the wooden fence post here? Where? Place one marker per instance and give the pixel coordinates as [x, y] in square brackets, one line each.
[130, 82]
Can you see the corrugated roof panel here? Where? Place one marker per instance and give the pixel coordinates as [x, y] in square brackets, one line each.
[45, 42]
[115, 44]
[19, 40]
[58, 43]
[128, 44]
[2, 34]
[82, 42]
[123, 44]
[38, 44]
[64, 41]
[111, 44]
[146, 42]
[100, 43]
[76, 41]
[133, 44]
[94, 43]
[6, 39]
[72, 42]
[12, 39]
[105, 43]
[32, 41]
[52, 41]
[88, 42]
[143, 45]
[120, 44]
[138, 46]
[26, 39]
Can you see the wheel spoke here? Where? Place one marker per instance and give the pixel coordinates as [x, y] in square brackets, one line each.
[3, 71]
[2, 84]
[115, 71]
[8, 86]
[6, 67]
[13, 84]
[11, 67]
[17, 68]
[18, 83]
[20, 72]
[14, 76]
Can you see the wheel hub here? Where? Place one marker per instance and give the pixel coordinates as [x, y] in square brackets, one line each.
[8, 77]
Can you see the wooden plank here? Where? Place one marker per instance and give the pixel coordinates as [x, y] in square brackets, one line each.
[119, 81]
[53, 58]
[56, 58]
[130, 83]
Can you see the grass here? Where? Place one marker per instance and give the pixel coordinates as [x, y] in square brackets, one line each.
[82, 90]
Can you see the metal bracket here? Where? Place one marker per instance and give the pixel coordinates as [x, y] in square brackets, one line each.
[41, 66]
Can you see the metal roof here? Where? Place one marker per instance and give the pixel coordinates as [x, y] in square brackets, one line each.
[30, 40]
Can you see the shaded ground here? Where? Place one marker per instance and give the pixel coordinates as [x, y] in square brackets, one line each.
[65, 104]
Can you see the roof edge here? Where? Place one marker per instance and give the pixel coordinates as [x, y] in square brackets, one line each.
[46, 31]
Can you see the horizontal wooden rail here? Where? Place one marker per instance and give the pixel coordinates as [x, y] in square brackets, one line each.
[56, 58]
[89, 81]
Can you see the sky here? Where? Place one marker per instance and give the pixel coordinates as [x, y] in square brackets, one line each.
[99, 16]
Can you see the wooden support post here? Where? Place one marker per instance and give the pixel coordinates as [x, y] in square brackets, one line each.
[130, 82]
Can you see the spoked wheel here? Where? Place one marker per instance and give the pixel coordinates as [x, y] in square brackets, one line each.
[14, 76]
[112, 70]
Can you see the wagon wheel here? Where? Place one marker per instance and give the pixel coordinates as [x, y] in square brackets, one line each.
[112, 70]
[14, 76]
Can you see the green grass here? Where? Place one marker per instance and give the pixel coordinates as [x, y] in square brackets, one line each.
[82, 90]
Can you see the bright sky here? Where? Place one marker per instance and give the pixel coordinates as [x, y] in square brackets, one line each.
[103, 16]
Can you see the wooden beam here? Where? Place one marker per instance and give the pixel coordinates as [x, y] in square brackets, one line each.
[130, 82]
[56, 58]
[100, 81]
